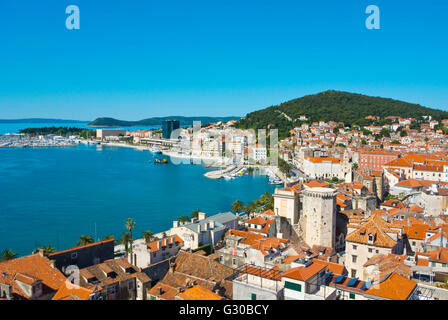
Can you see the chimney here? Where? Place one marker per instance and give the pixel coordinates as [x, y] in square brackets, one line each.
[41, 252]
[201, 215]
[159, 244]
[175, 224]
[173, 239]
[52, 263]
[198, 228]
[212, 224]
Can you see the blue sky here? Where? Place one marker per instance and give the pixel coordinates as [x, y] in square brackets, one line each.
[140, 58]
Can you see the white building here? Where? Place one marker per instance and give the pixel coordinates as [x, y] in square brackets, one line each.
[205, 230]
[155, 251]
[321, 168]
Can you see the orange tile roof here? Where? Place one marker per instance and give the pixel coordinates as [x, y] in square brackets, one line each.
[399, 162]
[34, 266]
[409, 183]
[438, 255]
[395, 287]
[416, 231]
[332, 267]
[289, 259]
[394, 204]
[376, 226]
[416, 208]
[68, 290]
[199, 293]
[153, 245]
[322, 159]
[259, 220]
[304, 273]
[163, 291]
[316, 184]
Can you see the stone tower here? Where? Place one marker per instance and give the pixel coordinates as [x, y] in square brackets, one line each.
[345, 171]
[319, 215]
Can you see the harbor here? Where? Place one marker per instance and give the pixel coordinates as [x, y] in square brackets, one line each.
[28, 141]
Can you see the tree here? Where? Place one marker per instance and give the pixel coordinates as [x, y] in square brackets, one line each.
[237, 206]
[125, 240]
[130, 224]
[183, 219]
[363, 141]
[267, 201]
[355, 166]
[48, 249]
[284, 166]
[195, 214]
[148, 236]
[83, 240]
[109, 237]
[385, 133]
[7, 254]
[251, 207]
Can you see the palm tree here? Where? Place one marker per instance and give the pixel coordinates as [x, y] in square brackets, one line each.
[268, 200]
[125, 240]
[195, 214]
[251, 207]
[110, 237]
[237, 206]
[8, 254]
[130, 224]
[83, 240]
[48, 249]
[148, 236]
[183, 219]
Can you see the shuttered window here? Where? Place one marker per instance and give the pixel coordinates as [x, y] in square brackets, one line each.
[293, 286]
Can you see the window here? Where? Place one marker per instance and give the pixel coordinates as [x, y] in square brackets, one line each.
[355, 247]
[74, 255]
[352, 296]
[370, 250]
[293, 286]
[234, 261]
[413, 243]
[433, 264]
[253, 296]
[354, 258]
[353, 273]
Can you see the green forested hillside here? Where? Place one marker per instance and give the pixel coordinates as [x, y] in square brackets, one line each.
[338, 106]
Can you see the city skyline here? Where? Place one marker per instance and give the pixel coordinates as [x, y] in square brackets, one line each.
[203, 59]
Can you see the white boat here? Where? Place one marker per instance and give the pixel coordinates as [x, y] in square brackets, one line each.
[156, 150]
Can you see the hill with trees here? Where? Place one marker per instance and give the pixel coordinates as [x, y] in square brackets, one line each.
[339, 106]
